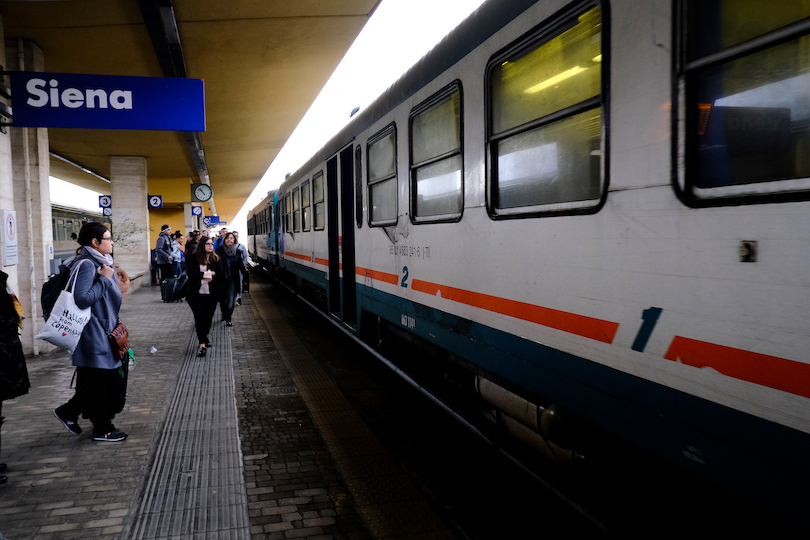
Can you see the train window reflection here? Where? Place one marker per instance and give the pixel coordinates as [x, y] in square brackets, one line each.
[436, 163]
[296, 211]
[748, 114]
[317, 198]
[306, 211]
[552, 164]
[382, 177]
[718, 24]
[546, 120]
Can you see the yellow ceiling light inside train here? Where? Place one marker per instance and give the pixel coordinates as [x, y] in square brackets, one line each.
[555, 79]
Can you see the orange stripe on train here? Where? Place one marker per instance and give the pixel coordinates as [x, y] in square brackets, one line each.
[604, 331]
[771, 371]
[393, 279]
[307, 258]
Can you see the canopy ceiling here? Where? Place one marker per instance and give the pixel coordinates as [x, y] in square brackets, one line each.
[263, 64]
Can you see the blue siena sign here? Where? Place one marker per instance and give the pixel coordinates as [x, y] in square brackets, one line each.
[67, 100]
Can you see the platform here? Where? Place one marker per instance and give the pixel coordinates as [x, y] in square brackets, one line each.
[253, 441]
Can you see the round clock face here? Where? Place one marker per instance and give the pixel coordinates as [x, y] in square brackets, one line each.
[203, 192]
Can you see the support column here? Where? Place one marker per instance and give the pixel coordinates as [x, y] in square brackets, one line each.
[130, 217]
[32, 201]
[189, 219]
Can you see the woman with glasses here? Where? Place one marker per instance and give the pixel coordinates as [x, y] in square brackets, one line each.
[204, 271]
[100, 377]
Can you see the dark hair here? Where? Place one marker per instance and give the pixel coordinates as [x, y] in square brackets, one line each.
[226, 237]
[202, 255]
[91, 230]
[178, 234]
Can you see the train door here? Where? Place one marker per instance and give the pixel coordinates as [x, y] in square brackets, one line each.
[340, 215]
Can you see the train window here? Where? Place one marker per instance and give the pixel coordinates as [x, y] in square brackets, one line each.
[288, 213]
[60, 229]
[382, 177]
[358, 186]
[296, 203]
[53, 228]
[306, 215]
[746, 70]
[436, 157]
[317, 199]
[545, 119]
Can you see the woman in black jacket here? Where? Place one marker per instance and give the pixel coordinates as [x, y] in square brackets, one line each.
[204, 271]
[231, 267]
[13, 372]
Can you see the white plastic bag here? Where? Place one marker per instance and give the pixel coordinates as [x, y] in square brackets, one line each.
[65, 325]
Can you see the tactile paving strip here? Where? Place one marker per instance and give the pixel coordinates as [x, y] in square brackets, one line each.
[386, 497]
[196, 485]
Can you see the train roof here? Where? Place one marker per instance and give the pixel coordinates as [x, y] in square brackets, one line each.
[490, 17]
[75, 210]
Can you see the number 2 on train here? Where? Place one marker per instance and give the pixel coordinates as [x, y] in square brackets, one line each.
[404, 277]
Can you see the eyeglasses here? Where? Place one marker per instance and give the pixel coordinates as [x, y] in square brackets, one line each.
[107, 238]
[209, 243]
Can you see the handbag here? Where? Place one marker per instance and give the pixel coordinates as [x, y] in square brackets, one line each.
[67, 321]
[119, 341]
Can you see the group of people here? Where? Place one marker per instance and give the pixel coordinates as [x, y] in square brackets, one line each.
[169, 253]
[216, 269]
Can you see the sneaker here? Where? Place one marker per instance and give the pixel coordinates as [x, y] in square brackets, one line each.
[238, 301]
[70, 425]
[228, 323]
[113, 436]
[202, 351]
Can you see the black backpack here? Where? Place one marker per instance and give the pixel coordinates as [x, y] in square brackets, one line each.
[51, 289]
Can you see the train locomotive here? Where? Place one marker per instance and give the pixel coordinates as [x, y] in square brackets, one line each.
[594, 207]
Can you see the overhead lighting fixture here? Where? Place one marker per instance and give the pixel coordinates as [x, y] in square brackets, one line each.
[597, 58]
[555, 79]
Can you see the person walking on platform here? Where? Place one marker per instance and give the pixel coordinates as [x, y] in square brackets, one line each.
[242, 275]
[221, 238]
[163, 252]
[192, 240]
[13, 372]
[204, 276]
[100, 381]
[231, 267]
[177, 253]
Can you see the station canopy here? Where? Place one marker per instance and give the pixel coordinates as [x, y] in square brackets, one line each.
[263, 62]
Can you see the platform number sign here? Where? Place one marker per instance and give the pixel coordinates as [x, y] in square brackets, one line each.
[107, 211]
[104, 201]
[155, 201]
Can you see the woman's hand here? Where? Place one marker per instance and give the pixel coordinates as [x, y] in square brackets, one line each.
[106, 271]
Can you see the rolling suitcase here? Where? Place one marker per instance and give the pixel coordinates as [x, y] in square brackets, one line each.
[167, 290]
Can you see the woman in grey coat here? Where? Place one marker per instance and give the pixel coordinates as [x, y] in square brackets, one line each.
[101, 378]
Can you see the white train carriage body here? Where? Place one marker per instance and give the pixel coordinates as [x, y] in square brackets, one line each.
[262, 238]
[591, 211]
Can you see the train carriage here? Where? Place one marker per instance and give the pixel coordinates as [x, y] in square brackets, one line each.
[261, 232]
[66, 222]
[597, 206]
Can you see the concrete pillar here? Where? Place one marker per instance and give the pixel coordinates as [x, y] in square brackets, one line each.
[130, 217]
[39, 233]
[6, 177]
[189, 219]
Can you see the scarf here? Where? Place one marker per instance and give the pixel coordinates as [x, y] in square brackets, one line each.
[230, 252]
[101, 259]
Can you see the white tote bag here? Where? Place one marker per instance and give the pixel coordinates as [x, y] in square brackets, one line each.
[65, 325]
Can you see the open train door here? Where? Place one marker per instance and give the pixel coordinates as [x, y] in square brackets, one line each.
[340, 220]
